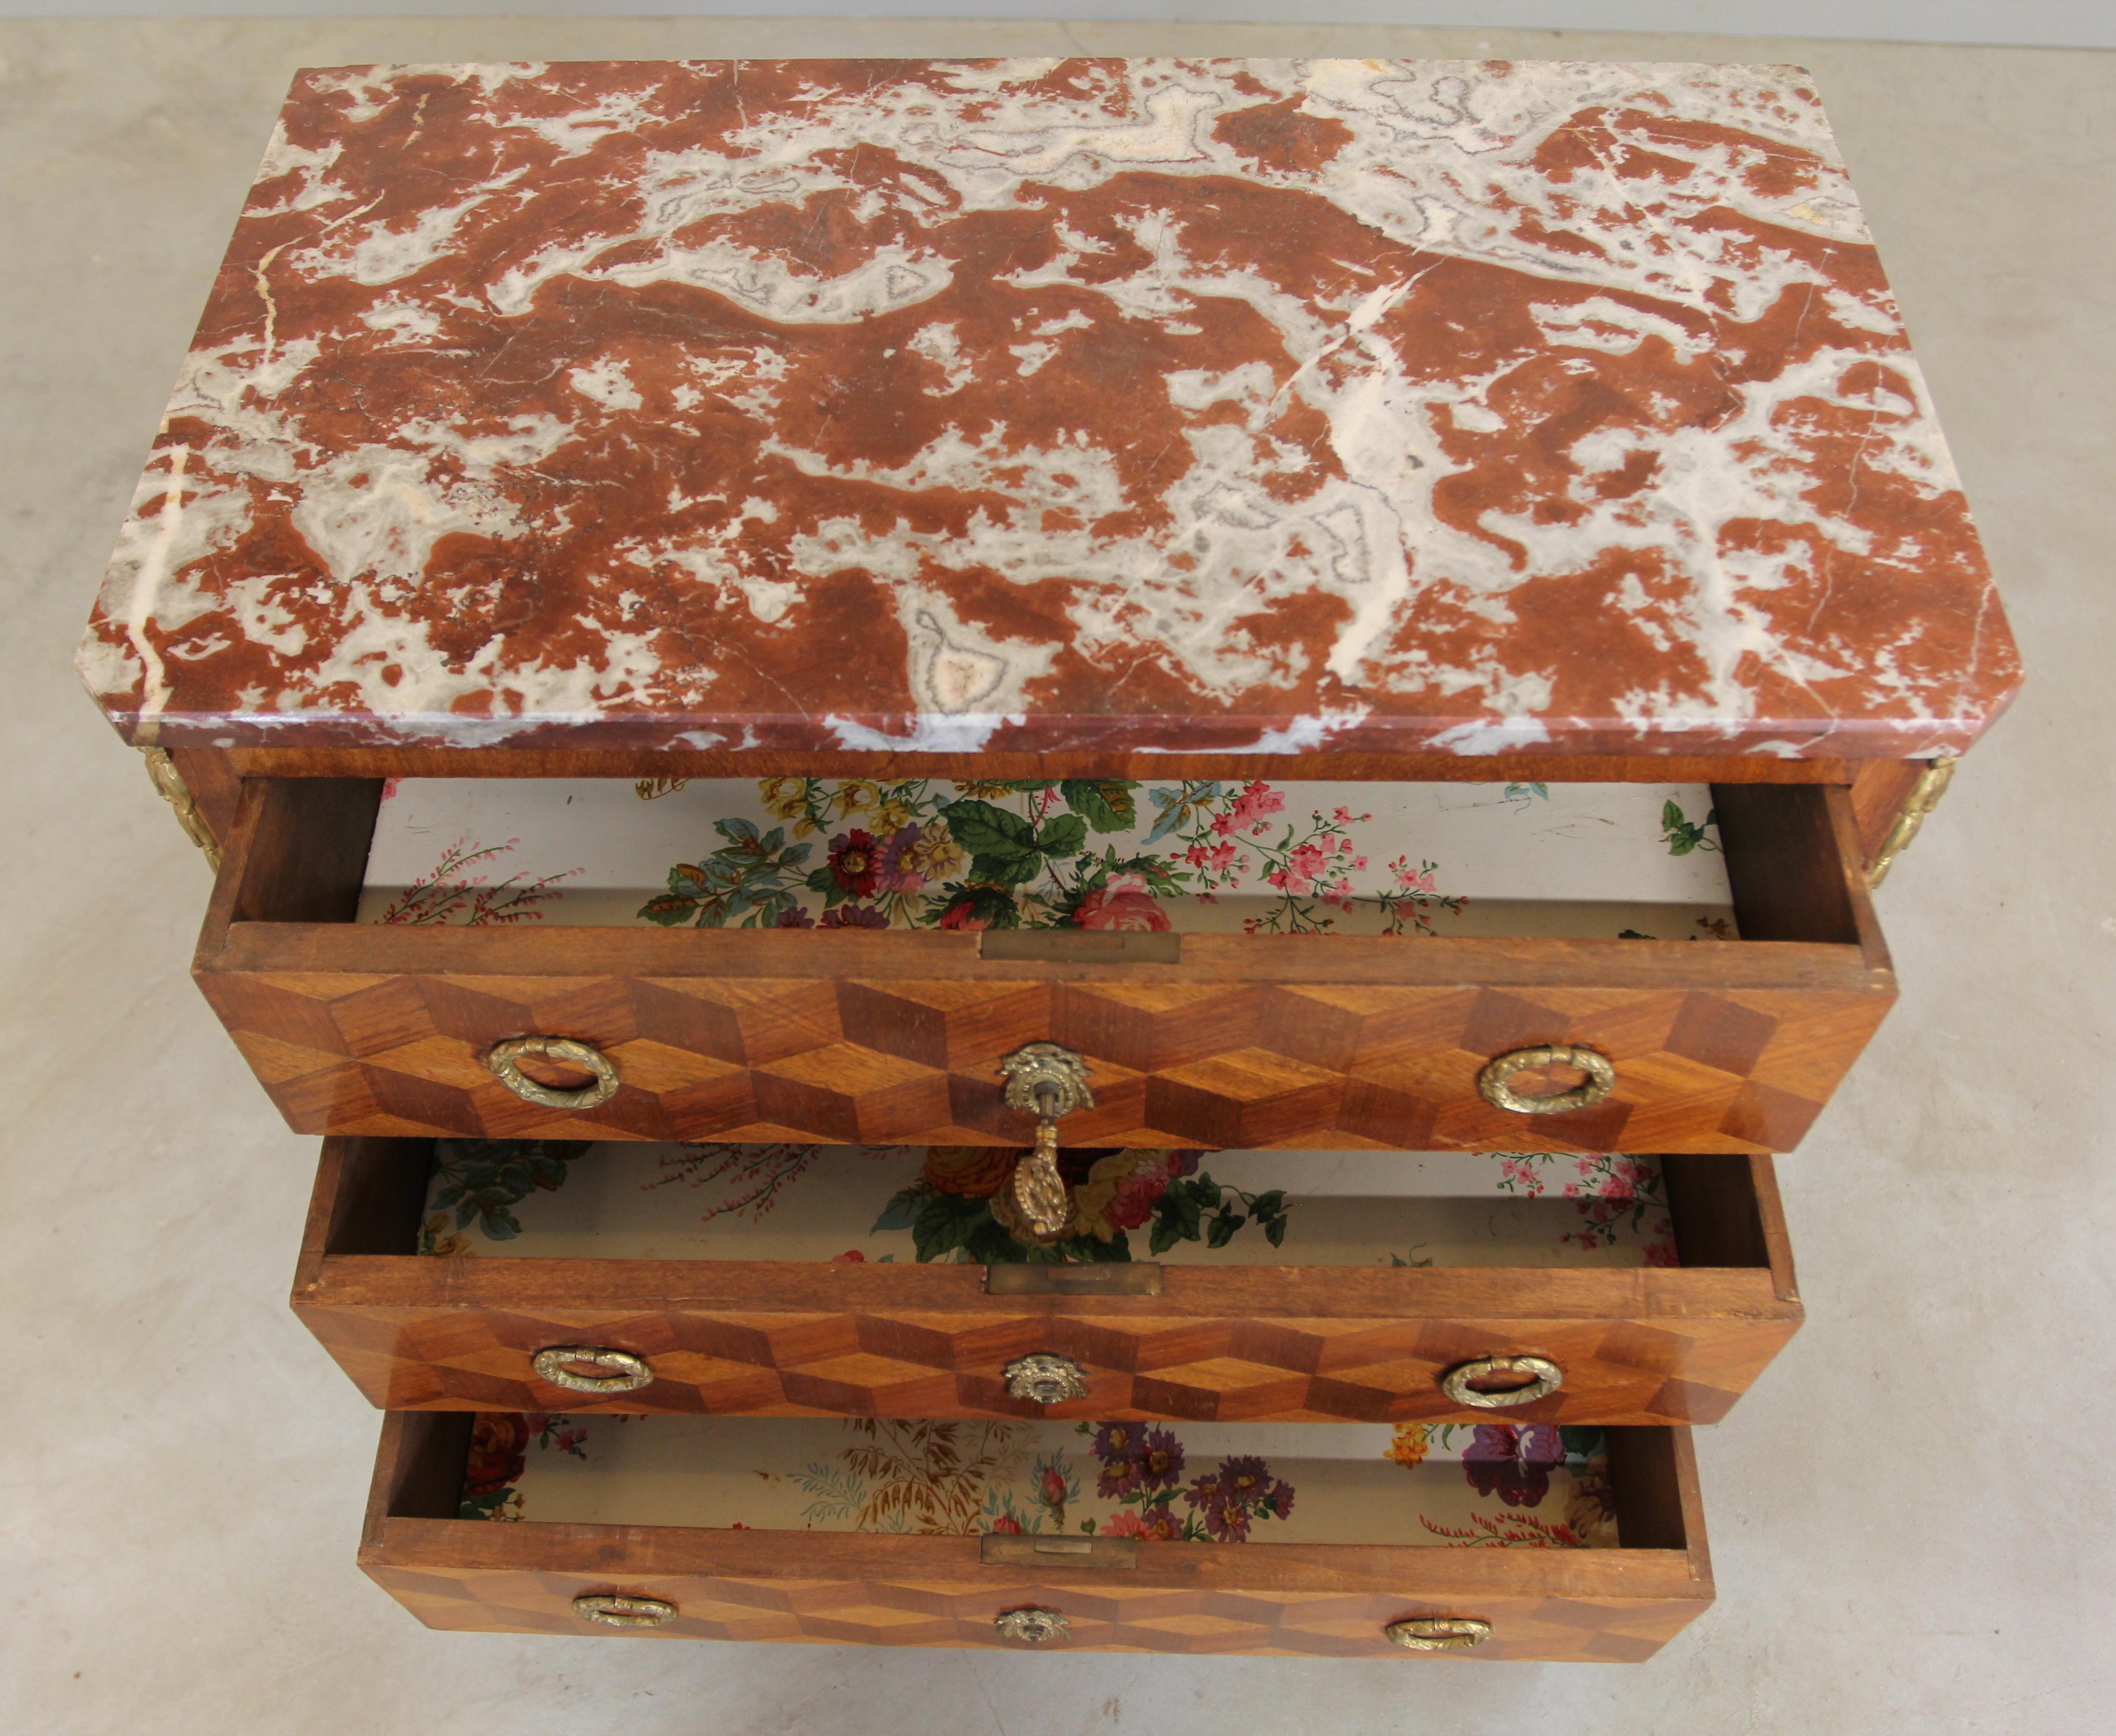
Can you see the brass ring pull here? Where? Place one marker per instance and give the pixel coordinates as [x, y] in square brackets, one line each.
[586, 1056]
[626, 1373]
[1494, 1082]
[1438, 1632]
[1031, 1627]
[1044, 1378]
[615, 1610]
[1545, 1376]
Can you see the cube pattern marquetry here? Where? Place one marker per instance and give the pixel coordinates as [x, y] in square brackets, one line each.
[1103, 1613]
[1212, 1066]
[1655, 1371]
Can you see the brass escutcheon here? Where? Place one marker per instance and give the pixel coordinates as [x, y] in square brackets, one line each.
[1044, 1378]
[1546, 1378]
[1494, 1082]
[626, 1373]
[1438, 1632]
[502, 1059]
[1031, 1627]
[618, 1609]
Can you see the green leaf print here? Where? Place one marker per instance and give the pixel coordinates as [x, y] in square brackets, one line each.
[944, 1222]
[986, 831]
[751, 875]
[482, 1179]
[902, 1211]
[1065, 835]
[992, 906]
[1682, 836]
[1105, 803]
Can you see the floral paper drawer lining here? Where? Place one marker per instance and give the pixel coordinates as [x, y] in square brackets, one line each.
[1581, 860]
[908, 1204]
[1459, 1485]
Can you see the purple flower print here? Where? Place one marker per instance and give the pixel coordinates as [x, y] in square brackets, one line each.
[1514, 1464]
[1136, 1460]
[1241, 1490]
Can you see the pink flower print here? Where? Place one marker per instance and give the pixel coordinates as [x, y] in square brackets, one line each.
[1006, 1526]
[850, 1257]
[1137, 1194]
[1122, 904]
[1305, 864]
[1342, 815]
[1360, 866]
[1256, 800]
[1410, 879]
[1214, 858]
[1156, 1525]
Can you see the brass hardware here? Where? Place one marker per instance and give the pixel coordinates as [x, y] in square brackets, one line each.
[1547, 1377]
[1924, 797]
[1079, 947]
[1031, 1627]
[628, 1373]
[169, 784]
[1438, 1632]
[1493, 1082]
[583, 1055]
[1112, 1278]
[1047, 1081]
[1046, 1379]
[1118, 1554]
[615, 1610]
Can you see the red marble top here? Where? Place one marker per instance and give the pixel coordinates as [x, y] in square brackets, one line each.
[1041, 405]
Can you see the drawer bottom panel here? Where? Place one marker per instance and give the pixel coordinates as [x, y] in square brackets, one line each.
[1586, 1548]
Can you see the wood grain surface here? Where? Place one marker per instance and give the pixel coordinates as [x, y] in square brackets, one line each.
[895, 1038]
[1608, 1605]
[1653, 1345]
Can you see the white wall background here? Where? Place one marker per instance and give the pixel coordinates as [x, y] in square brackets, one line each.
[2033, 23]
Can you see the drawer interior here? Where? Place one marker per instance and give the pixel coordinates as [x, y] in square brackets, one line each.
[1604, 861]
[1436, 1485]
[619, 1200]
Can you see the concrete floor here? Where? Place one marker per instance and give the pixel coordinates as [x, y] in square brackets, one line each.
[1913, 1516]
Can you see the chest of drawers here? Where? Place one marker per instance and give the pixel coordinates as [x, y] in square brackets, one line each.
[1280, 630]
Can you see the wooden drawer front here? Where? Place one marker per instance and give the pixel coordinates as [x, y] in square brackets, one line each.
[1637, 1344]
[894, 1037]
[1607, 1605]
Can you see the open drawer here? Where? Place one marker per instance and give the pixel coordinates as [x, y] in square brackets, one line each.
[1491, 1542]
[789, 1280]
[1412, 1009]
